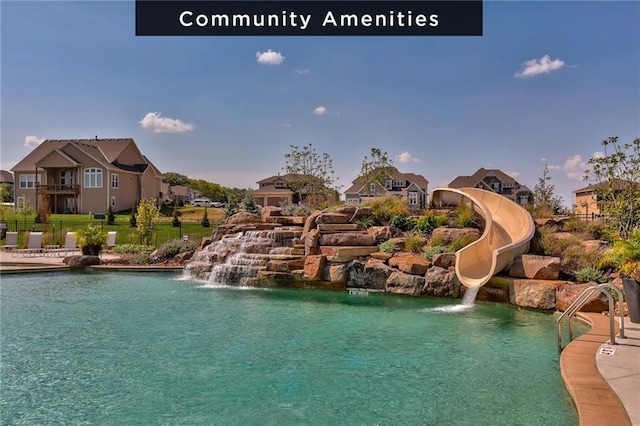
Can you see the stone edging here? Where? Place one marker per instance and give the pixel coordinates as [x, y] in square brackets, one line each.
[596, 402]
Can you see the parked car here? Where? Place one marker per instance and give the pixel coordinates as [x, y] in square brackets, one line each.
[202, 202]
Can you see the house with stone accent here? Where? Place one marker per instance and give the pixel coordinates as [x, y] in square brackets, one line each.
[86, 175]
[275, 190]
[496, 181]
[410, 186]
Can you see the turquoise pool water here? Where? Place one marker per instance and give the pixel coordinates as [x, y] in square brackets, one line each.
[118, 348]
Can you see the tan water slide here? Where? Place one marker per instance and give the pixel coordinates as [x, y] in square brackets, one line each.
[507, 233]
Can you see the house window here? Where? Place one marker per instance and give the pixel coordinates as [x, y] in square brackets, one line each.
[524, 200]
[388, 184]
[113, 201]
[114, 181]
[20, 203]
[93, 178]
[507, 185]
[398, 183]
[29, 181]
[280, 184]
[66, 177]
[496, 186]
[413, 198]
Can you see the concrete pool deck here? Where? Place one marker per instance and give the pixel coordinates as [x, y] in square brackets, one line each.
[603, 379]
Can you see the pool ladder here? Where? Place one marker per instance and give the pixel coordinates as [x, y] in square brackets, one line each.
[581, 300]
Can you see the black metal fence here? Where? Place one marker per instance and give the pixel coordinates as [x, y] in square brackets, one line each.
[55, 231]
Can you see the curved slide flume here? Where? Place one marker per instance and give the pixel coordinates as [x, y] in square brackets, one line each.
[507, 233]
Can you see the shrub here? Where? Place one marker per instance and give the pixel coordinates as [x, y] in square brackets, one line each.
[133, 219]
[426, 224]
[403, 223]
[430, 251]
[111, 217]
[576, 257]
[365, 223]
[132, 249]
[438, 240]
[597, 229]
[172, 248]
[291, 209]
[205, 219]
[550, 245]
[141, 259]
[461, 242]
[413, 242]
[630, 269]
[574, 224]
[441, 220]
[91, 239]
[589, 274]
[464, 216]
[387, 247]
[384, 208]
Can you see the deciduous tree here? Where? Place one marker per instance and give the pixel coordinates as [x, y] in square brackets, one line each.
[147, 216]
[311, 174]
[545, 200]
[375, 169]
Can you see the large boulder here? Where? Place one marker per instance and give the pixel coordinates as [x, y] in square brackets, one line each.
[311, 242]
[373, 275]
[270, 211]
[595, 244]
[401, 283]
[441, 282]
[380, 233]
[413, 264]
[538, 294]
[347, 210]
[448, 235]
[80, 261]
[361, 213]
[276, 265]
[332, 218]
[243, 217]
[535, 267]
[335, 273]
[314, 267]
[568, 292]
[346, 239]
[344, 254]
[444, 260]
[310, 223]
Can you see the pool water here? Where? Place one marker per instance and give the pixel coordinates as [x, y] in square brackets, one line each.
[125, 348]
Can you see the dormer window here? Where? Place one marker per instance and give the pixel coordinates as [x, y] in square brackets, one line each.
[496, 186]
[280, 184]
[388, 184]
[398, 183]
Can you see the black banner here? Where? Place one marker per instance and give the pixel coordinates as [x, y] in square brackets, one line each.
[308, 18]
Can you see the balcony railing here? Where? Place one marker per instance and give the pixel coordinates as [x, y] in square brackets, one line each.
[59, 188]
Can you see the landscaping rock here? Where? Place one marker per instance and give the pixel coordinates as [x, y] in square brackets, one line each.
[344, 254]
[448, 235]
[413, 264]
[491, 294]
[381, 256]
[80, 261]
[330, 228]
[595, 244]
[243, 217]
[441, 282]
[539, 294]
[181, 258]
[310, 223]
[285, 265]
[270, 211]
[444, 260]
[335, 273]
[314, 267]
[361, 213]
[380, 234]
[364, 275]
[347, 210]
[346, 239]
[535, 267]
[401, 283]
[332, 218]
[311, 242]
[568, 292]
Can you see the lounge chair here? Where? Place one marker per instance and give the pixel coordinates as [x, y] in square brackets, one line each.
[70, 246]
[34, 246]
[11, 242]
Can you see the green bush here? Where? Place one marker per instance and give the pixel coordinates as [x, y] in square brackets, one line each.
[574, 224]
[403, 223]
[365, 223]
[387, 247]
[438, 240]
[292, 209]
[170, 249]
[141, 259]
[576, 257]
[589, 274]
[441, 220]
[461, 242]
[132, 249]
[431, 251]
[384, 208]
[205, 219]
[426, 224]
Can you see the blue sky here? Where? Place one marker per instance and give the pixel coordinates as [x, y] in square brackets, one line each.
[545, 84]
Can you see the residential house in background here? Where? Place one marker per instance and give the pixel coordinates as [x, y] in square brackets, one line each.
[275, 190]
[410, 186]
[86, 175]
[588, 203]
[496, 181]
[182, 194]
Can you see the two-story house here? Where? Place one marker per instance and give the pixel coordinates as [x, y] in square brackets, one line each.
[410, 186]
[496, 181]
[86, 175]
[589, 200]
[275, 190]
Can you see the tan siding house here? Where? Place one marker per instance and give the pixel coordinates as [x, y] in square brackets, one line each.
[496, 181]
[86, 175]
[409, 186]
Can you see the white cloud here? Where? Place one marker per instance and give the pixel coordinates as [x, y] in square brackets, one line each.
[543, 159]
[269, 57]
[574, 167]
[287, 125]
[535, 67]
[32, 141]
[301, 71]
[320, 110]
[514, 174]
[158, 124]
[598, 154]
[407, 157]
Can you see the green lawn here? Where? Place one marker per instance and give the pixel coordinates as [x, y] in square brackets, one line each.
[59, 224]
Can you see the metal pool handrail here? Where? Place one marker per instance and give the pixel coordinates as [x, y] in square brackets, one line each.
[581, 300]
